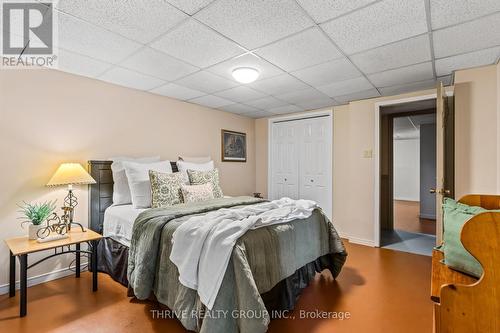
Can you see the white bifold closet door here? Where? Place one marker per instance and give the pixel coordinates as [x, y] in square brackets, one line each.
[285, 156]
[301, 160]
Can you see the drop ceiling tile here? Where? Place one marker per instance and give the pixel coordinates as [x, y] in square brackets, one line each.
[333, 71]
[80, 37]
[301, 96]
[240, 94]
[448, 12]
[278, 84]
[140, 20]
[190, 6]
[80, 65]
[158, 64]
[382, 23]
[210, 101]
[322, 10]
[225, 68]
[446, 66]
[370, 93]
[403, 53]
[346, 87]
[285, 109]
[317, 104]
[406, 88]
[197, 44]
[467, 37]
[130, 79]
[206, 82]
[238, 108]
[296, 52]
[266, 103]
[258, 114]
[255, 23]
[413, 73]
[176, 91]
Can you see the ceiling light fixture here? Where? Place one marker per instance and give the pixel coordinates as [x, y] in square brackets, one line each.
[245, 74]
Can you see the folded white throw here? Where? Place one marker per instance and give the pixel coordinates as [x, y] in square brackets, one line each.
[202, 245]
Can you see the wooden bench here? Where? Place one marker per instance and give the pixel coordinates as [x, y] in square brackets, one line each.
[464, 303]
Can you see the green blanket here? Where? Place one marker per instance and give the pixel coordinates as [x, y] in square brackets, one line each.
[260, 259]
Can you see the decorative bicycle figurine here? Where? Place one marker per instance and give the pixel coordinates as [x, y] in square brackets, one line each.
[54, 225]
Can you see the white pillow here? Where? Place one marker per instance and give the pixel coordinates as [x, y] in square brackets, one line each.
[195, 159]
[139, 183]
[121, 190]
[183, 167]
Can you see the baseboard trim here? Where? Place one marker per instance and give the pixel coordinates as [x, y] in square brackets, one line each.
[46, 277]
[362, 241]
[356, 240]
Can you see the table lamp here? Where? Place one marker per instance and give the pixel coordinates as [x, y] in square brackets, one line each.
[71, 174]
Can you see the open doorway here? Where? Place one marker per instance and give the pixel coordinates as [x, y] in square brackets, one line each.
[414, 174]
[408, 169]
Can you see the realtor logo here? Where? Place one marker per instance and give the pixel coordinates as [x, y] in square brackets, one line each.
[28, 34]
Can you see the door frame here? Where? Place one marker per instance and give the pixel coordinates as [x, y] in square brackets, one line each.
[376, 152]
[297, 116]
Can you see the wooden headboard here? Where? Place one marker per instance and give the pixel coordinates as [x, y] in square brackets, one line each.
[101, 193]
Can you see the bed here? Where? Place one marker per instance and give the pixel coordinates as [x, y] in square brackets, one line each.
[268, 269]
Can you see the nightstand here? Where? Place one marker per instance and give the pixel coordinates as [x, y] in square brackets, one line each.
[21, 247]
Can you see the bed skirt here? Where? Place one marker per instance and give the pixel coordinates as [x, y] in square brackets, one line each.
[113, 260]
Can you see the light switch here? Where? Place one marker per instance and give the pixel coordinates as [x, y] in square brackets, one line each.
[367, 153]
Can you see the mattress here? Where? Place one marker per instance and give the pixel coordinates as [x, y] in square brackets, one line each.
[118, 222]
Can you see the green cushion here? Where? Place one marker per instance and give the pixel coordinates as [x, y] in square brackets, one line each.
[455, 255]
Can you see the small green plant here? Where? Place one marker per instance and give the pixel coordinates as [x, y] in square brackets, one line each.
[36, 213]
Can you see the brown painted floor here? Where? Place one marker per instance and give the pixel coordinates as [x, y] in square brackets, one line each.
[383, 290]
[406, 218]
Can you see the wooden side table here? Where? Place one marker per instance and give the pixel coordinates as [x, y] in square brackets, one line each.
[21, 247]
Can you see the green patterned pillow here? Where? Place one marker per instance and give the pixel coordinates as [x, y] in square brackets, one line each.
[165, 188]
[203, 177]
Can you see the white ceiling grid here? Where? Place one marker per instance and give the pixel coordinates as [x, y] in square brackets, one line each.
[311, 53]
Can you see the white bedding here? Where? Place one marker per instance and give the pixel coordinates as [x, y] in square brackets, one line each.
[203, 244]
[118, 222]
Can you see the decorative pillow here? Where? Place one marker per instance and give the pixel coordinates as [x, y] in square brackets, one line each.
[138, 180]
[203, 177]
[121, 190]
[195, 159]
[195, 193]
[165, 188]
[185, 166]
[455, 254]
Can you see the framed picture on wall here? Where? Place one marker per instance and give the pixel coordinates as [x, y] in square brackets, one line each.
[234, 146]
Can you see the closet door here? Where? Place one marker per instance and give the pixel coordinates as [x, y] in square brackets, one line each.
[285, 161]
[315, 162]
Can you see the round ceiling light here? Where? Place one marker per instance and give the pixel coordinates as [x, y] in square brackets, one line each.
[245, 74]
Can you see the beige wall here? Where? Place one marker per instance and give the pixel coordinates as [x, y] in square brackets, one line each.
[48, 117]
[476, 131]
[261, 150]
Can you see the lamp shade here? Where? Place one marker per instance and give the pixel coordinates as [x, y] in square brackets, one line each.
[71, 174]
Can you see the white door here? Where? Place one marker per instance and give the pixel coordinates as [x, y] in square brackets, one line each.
[301, 161]
[285, 161]
[315, 169]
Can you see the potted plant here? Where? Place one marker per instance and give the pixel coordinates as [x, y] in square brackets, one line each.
[35, 215]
